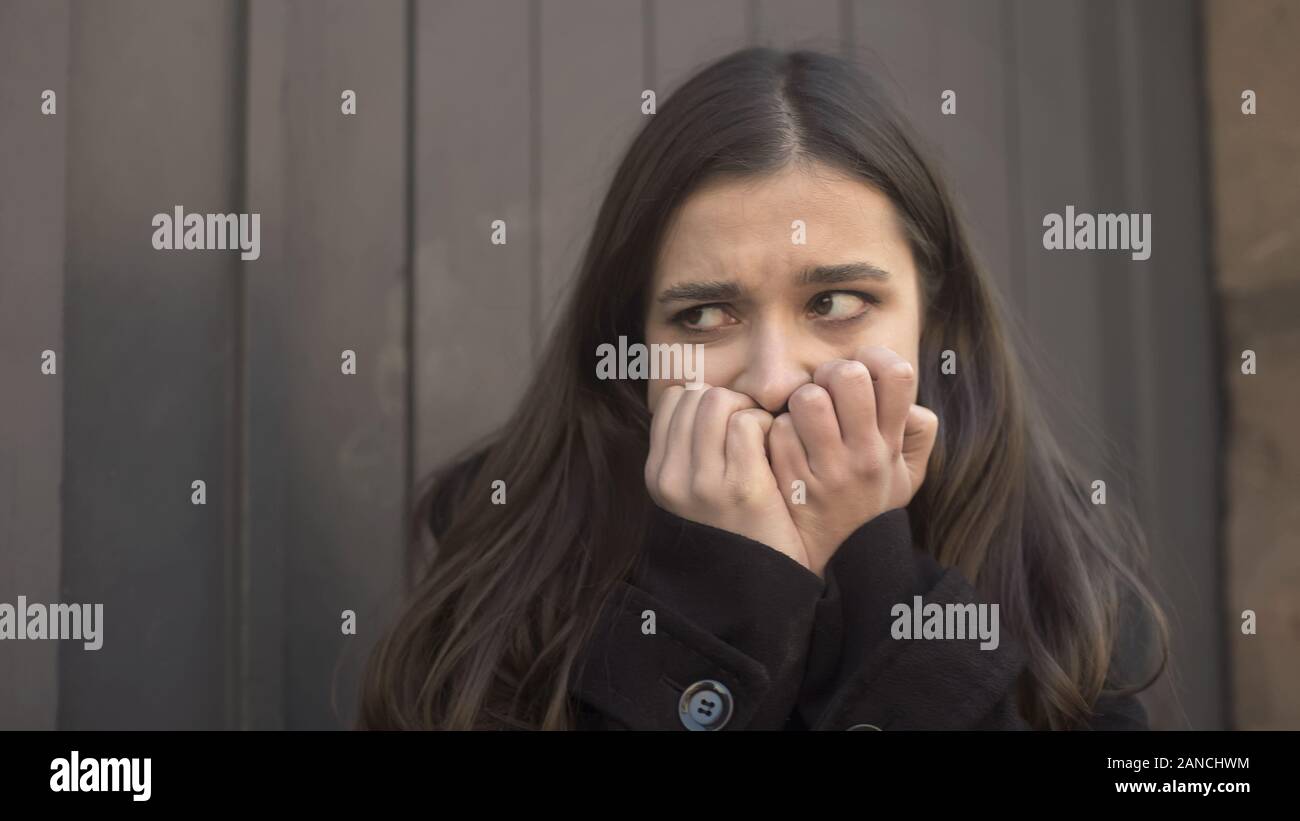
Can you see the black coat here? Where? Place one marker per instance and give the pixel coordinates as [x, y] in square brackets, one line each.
[746, 638]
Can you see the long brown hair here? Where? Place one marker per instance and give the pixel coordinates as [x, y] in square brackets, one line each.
[494, 626]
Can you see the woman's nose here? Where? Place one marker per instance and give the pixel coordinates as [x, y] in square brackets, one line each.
[772, 372]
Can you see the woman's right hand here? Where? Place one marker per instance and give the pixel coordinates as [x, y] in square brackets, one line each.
[708, 463]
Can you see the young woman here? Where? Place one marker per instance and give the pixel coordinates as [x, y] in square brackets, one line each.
[754, 554]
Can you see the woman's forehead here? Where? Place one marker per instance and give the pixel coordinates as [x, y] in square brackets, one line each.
[754, 227]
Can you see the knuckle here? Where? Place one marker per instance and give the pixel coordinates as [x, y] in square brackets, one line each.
[823, 372]
[901, 370]
[809, 395]
[700, 484]
[671, 393]
[671, 479]
[741, 423]
[850, 372]
[741, 491]
[673, 493]
[931, 419]
[713, 399]
[868, 463]
[737, 420]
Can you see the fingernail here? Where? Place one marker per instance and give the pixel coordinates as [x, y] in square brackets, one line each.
[902, 369]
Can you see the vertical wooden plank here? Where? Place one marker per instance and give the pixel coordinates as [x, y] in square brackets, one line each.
[1175, 384]
[1109, 121]
[592, 73]
[1105, 90]
[886, 36]
[267, 529]
[1076, 127]
[689, 35]
[1123, 338]
[1125, 334]
[474, 299]
[1060, 300]
[811, 24]
[330, 493]
[1067, 142]
[148, 363]
[34, 40]
[920, 50]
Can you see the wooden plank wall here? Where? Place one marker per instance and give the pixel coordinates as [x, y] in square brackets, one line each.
[376, 239]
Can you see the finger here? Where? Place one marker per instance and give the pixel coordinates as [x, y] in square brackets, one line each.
[663, 415]
[789, 461]
[895, 383]
[677, 453]
[814, 421]
[709, 436]
[746, 438]
[918, 442]
[854, 397]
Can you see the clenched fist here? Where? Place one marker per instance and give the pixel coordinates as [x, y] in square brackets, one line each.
[858, 441]
[854, 436]
[708, 463]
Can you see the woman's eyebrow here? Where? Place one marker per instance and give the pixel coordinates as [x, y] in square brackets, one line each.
[707, 291]
[729, 291]
[843, 272]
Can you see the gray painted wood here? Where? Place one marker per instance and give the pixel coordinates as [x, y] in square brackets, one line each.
[149, 364]
[921, 50]
[1175, 355]
[592, 72]
[328, 449]
[267, 495]
[686, 36]
[812, 24]
[1059, 301]
[1134, 367]
[473, 165]
[34, 42]
[179, 366]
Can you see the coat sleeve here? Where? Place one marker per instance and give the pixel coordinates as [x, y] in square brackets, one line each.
[711, 631]
[860, 677]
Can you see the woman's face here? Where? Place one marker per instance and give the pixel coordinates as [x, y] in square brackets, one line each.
[734, 277]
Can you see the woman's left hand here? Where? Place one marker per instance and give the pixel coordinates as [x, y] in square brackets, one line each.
[857, 440]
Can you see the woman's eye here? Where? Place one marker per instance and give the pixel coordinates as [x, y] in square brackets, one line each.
[839, 305]
[703, 318]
